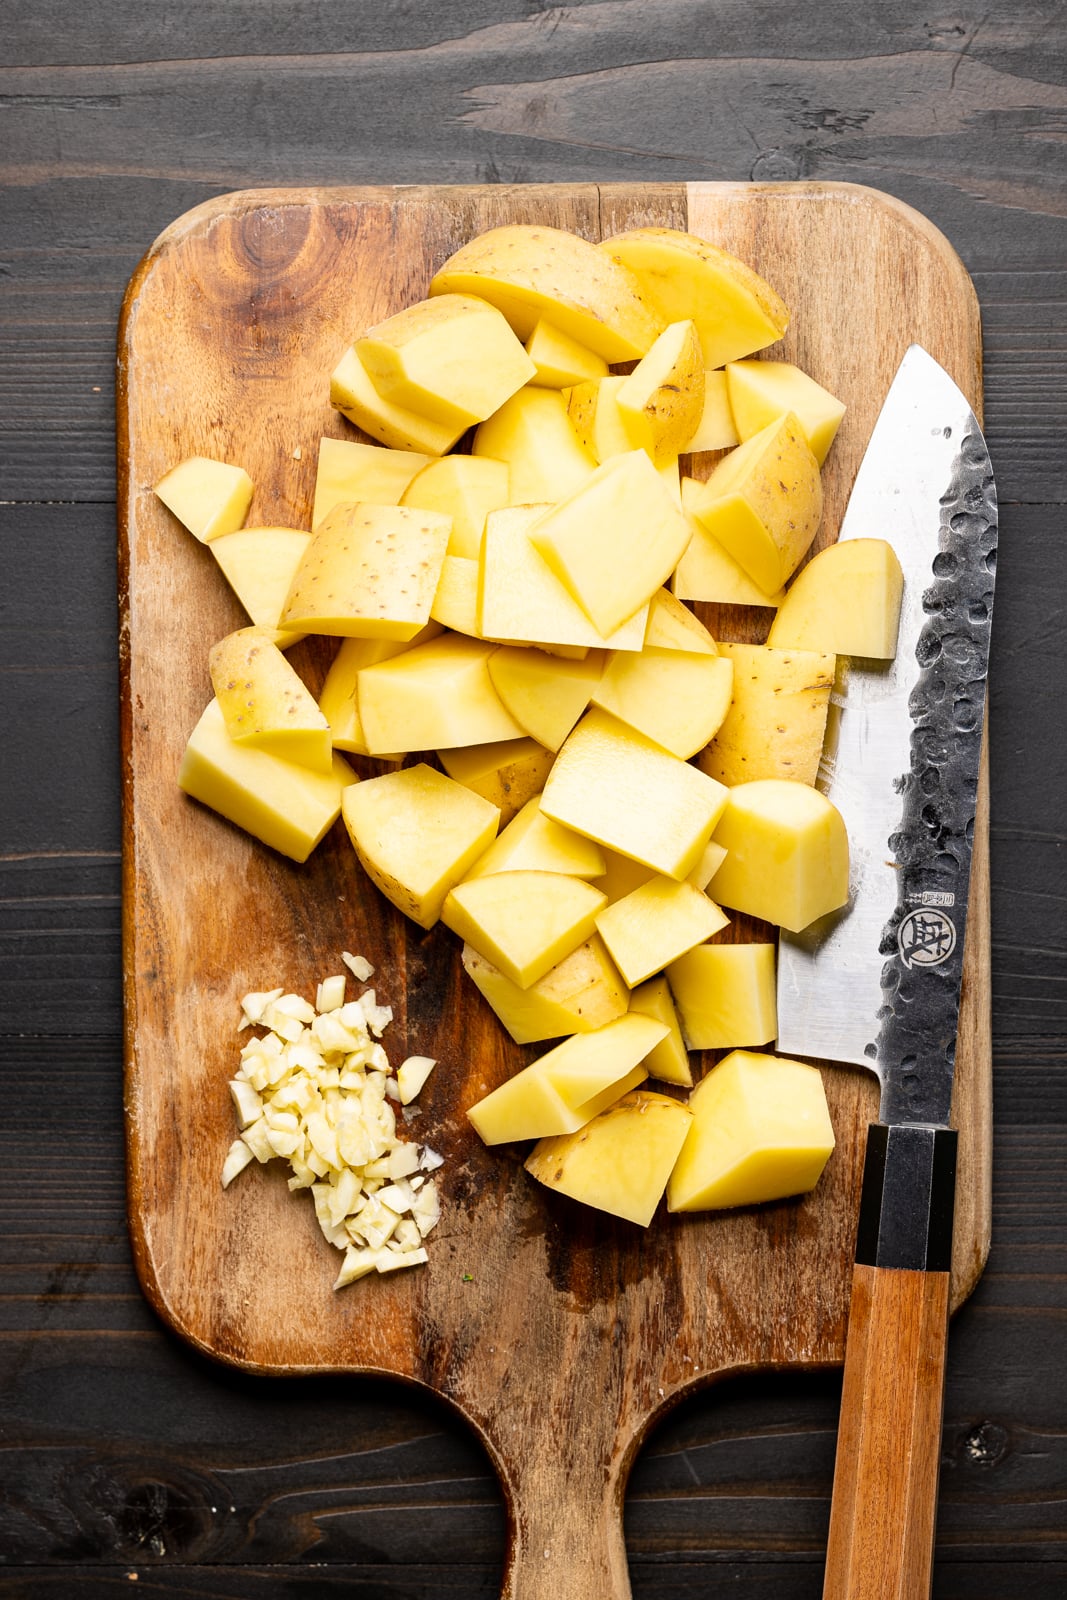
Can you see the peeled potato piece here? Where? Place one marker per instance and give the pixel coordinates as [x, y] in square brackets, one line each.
[786, 853]
[716, 429]
[672, 626]
[338, 702]
[352, 392]
[521, 598]
[847, 599]
[545, 695]
[532, 842]
[532, 434]
[614, 541]
[452, 358]
[287, 806]
[349, 471]
[761, 1131]
[676, 697]
[726, 995]
[523, 922]
[655, 923]
[707, 572]
[760, 391]
[455, 600]
[561, 360]
[570, 1085]
[465, 488]
[621, 789]
[210, 497]
[259, 565]
[669, 1060]
[433, 697]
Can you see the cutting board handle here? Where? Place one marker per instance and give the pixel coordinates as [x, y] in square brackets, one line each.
[884, 1506]
[565, 1527]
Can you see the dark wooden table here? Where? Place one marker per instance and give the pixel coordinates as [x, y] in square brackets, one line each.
[126, 1457]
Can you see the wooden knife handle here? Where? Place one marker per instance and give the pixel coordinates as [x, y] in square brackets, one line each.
[883, 1511]
[882, 1514]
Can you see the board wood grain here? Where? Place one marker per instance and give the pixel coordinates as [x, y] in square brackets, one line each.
[559, 1333]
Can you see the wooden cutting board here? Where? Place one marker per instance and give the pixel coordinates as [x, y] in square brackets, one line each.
[558, 1332]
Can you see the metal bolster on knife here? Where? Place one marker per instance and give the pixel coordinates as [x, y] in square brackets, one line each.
[908, 1199]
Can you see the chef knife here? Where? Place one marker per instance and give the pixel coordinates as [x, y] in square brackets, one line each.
[878, 984]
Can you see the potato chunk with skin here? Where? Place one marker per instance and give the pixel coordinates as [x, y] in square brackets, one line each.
[615, 541]
[453, 358]
[566, 1088]
[265, 703]
[532, 271]
[786, 853]
[532, 434]
[763, 503]
[593, 410]
[847, 599]
[209, 497]
[676, 697]
[416, 833]
[348, 471]
[287, 806]
[621, 789]
[465, 488]
[580, 994]
[433, 697]
[683, 277]
[621, 1161]
[508, 773]
[777, 719]
[370, 572]
[726, 995]
[761, 1131]
[760, 391]
[655, 924]
[662, 400]
[523, 922]
[669, 1060]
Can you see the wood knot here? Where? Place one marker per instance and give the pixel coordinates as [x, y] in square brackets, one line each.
[983, 1445]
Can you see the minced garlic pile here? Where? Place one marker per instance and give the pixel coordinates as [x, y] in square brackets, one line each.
[317, 1090]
